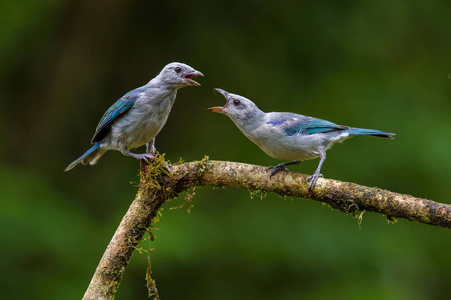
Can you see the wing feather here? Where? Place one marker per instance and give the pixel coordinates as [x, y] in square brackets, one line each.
[113, 113]
[294, 124]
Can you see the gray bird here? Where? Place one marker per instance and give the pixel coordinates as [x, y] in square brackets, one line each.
[288, 136]
[137, 117]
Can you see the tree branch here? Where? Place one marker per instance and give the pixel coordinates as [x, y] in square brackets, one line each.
[157, 188]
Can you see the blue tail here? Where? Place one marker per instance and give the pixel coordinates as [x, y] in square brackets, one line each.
[373, 132]
[91, 156]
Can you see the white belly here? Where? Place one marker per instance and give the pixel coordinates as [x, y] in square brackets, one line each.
[140, 124]
[297, 147]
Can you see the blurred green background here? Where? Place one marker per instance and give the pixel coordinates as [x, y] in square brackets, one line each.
[374, 64]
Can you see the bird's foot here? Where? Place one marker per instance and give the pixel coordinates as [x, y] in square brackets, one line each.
[313, 179]
[168, 167]
[146, 157]
[275, 169]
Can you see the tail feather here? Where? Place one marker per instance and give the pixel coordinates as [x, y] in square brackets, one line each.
[91, 156]
[373, 132]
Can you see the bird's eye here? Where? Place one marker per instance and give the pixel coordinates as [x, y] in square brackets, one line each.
[178, 69]
[236, 102]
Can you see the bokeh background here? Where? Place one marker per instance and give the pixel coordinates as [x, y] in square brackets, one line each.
[373, 64]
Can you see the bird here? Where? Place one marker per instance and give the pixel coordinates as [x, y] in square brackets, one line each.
[288, 136]
[138, 116]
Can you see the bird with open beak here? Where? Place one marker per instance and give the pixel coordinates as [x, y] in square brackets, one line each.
[288, 136]
[135, 119]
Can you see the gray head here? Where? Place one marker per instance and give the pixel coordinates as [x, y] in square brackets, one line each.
[241, 110]
[179, 75]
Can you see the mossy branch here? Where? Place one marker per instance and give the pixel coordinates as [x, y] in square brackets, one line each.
[157, 187]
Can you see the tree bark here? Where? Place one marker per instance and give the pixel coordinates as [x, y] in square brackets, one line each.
[156, 187]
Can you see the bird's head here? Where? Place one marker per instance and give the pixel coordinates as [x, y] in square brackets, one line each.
[237, 107]
[179, 74]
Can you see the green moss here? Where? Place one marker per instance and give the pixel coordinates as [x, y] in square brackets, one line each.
[425, 219]
[179, 162]
[151, 284]
[257, 193]
[360, 217]
[204, 165]
[159, 214]
[278, 186]
[327, 205]
[289, 179]
[140, 249]
[154, 171]
[349, 207]
[189, 197]
[391, 219]
[285, 197]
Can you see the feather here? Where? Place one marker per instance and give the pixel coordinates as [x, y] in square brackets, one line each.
[300, 124]
[85, 157]
[116, 110]
[373, 132]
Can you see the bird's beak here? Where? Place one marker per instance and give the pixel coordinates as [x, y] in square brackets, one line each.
[220, 109]
[188, 78]
[217, 109]
[222, 92]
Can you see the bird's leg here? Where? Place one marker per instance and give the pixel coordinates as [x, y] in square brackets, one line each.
[150, 147]
[314, 178]
[147, 157]
[281, 167]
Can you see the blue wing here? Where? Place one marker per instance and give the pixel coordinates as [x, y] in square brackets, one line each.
[113, 113]
[298, 124]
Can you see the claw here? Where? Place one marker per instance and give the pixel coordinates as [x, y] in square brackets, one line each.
[313, 179]
[145, 157]
[275, 169]
[319, 175]
[281, 167]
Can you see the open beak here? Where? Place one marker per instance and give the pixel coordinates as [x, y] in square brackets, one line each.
[217, 109]
[188, 78]
[220, 109]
